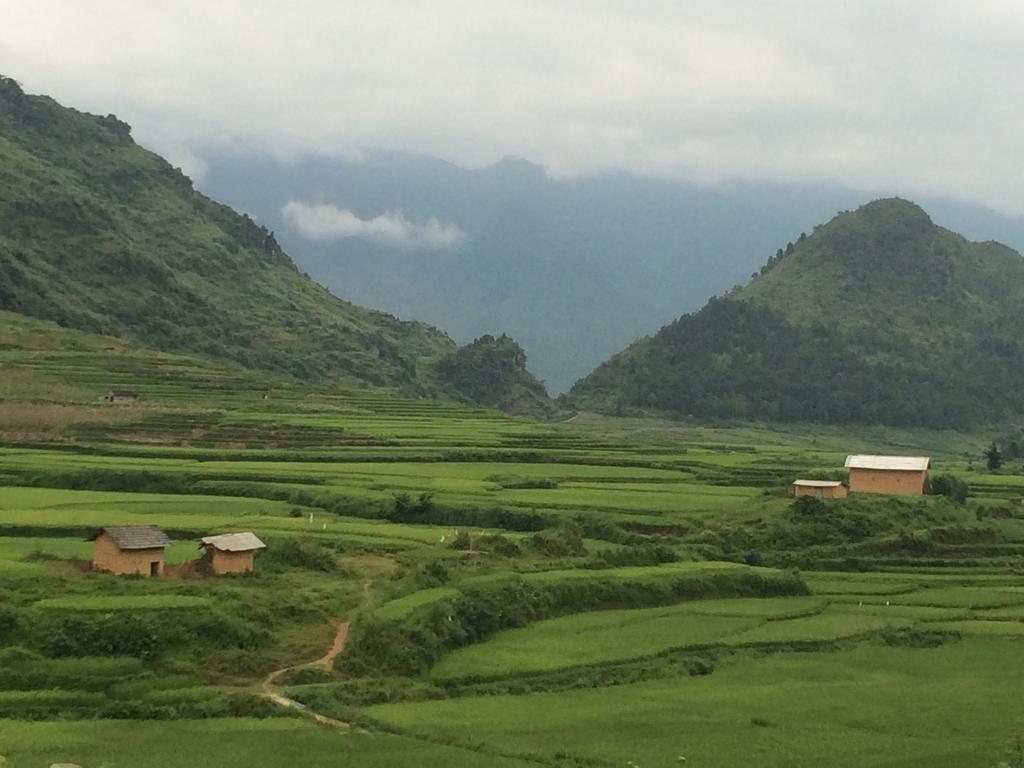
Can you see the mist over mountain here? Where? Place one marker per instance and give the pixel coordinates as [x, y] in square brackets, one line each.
[878, 316]
[101, 235]
[574, 269]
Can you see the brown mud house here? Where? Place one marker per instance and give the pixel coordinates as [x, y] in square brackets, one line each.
[229, 552]
[127, 549]
[907, 475]
[822, 489]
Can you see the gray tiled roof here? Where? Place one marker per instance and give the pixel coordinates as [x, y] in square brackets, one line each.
[136, 536]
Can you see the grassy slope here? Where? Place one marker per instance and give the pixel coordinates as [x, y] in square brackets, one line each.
[877, 317]
[99, 234]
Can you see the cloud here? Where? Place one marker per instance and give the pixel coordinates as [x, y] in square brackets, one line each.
[911, 95]
[328, 222]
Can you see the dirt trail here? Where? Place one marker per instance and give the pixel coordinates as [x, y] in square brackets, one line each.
[325, 662]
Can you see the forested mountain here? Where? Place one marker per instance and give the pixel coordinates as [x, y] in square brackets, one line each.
[492, 371]
[102, 235]
[879, 316]
[574, 268]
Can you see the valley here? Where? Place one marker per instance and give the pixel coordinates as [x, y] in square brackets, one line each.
[587, 593]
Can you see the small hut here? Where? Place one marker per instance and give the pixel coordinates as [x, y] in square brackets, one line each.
[822, 489]
[230, 552]
[888, 474]
[128, 549]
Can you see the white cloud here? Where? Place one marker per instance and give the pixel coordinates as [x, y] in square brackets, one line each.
[328, 222]
[914, 95]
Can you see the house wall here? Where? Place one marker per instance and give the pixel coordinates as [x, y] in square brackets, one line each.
[231, 562]
[898, 481]
[107, 557]
[835, 492]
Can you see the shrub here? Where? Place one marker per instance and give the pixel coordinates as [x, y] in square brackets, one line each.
[432, 574]
[300, 553]
[564, 541]
[8, 625]
[808, 506]
[642, 554]
[950, 486]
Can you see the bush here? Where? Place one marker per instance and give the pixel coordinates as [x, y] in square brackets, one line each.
[432, 574]
[808, 507]
[144, 635]
[642, 554]
[300, 553]
[8, 625]
[564, 541]
[950, 486]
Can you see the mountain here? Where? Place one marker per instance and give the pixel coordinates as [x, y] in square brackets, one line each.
[573, 268]
[879, 316]
[99, 234]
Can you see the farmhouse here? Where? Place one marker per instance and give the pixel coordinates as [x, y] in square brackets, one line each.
[120, 396]
[888, 474]
[823, 489]
[230, 552]
[125, 549]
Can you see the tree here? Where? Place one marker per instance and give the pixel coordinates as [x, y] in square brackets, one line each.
[993, 457]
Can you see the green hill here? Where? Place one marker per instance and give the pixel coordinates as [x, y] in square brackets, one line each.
[492, 371]
[878, 316]
[101, 235]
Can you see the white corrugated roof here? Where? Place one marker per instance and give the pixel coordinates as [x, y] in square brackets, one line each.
[234, 542]
[819, 483]
[907, 463]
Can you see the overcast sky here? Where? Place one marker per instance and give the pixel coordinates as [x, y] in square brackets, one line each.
[919, 96]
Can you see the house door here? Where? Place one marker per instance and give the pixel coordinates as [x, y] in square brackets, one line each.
[154, 568]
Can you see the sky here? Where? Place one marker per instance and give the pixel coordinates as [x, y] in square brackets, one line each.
[921, 96]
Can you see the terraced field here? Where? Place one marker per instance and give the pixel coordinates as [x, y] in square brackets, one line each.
[593, 593]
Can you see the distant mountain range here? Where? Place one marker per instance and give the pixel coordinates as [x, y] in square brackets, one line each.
[101, 235]
[574, 269]
[879, 316]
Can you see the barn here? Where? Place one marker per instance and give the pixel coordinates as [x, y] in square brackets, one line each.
[822, 489]
[229, 552]
[907, 475]
[128, 549]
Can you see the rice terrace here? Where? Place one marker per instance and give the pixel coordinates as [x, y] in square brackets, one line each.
[514, 385]
[593, 592]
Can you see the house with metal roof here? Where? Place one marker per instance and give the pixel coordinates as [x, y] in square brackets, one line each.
[229, 552]
[907, 475]
[128, 549]
[822, 489]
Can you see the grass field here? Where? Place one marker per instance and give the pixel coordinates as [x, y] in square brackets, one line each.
[957, 705]
[226, 743]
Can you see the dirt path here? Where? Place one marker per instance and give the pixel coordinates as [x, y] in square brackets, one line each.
[325, 662]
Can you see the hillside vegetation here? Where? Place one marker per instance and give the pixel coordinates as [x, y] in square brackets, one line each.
[878, 317]
[492, 371]
[99, 234]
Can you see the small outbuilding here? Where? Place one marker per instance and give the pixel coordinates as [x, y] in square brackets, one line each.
[229, 552]
[822, 489]
[120, 396]
[907, 475]
[130, 549]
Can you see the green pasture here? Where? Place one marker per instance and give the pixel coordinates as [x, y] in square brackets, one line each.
[957, 704]
[226, 743]
[601, 637]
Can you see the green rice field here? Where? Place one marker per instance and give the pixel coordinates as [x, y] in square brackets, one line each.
[580, 594]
